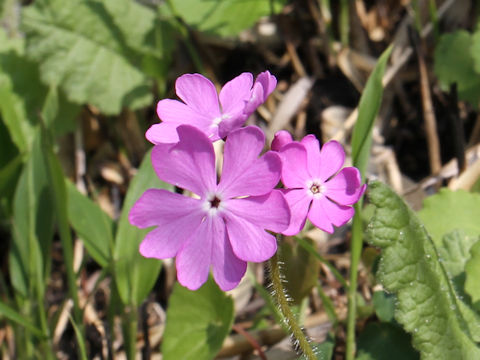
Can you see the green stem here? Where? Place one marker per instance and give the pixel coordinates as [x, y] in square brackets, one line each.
[279, 294]
[130, 331]
[355, 253]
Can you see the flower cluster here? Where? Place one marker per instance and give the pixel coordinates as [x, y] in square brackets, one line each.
[225, 225]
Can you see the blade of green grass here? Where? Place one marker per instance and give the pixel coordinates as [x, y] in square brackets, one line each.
[361, 144]
[16, 317]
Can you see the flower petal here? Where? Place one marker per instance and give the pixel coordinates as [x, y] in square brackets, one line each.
[312, 146]
[176, 216]
[281, 139]
[325, 213]
[163, 133]
[332, 157]
[198, 93]
[294, 166]
[299, 203]
[227, 268]
[169, 110]
[249, 241]
[345, 187]
[243, 172]
[194, 258]
[189, 164]
[263, 87]
[235, 94]
[269, 211]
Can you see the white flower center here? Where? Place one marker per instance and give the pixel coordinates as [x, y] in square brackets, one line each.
[213, 204]
[315, 188]
[219, 119]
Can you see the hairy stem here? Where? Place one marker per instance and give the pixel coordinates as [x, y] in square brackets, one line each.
[281, 299]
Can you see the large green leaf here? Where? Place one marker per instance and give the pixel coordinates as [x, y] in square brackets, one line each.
[454, 64]
[367, 112]
[427, 305]
[91, 224]
[22, 95]
[80, 49]
[126, 14]
[33, 218]
[224, 18]
[134, 274]
[197, 322]
[449, 210]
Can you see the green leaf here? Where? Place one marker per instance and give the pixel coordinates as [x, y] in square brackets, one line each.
[300, 269]
[449, 210]
[197, 322]
[385, 341]
[14, 115]
[9, 175]
[367, 112]
[224, 18]
[91, 224]
[14, 316]
[454, 64]
[134, 274]
[475, 51]
[427, 305]
[79, 49]
[33, 218]
[472, 269]
[81, 342]
[384, 305]
[126, 14]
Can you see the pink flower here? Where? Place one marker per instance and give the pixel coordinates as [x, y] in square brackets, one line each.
[316, 188]
[223, 228]
[214, 114]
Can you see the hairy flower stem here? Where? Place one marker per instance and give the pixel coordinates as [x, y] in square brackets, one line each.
[279, 294]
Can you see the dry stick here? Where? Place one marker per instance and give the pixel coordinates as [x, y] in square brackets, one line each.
[250, 339]
[393, 70]
[428, 112]
[457, 129]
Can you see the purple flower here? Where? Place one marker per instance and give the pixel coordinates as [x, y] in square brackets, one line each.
[316, 188]
[214, 114]
[223, 228]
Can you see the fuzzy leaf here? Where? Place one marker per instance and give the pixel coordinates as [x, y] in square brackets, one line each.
[197, 322]
[427, 305]
[472, 269]
[125, 15]
[79, 49]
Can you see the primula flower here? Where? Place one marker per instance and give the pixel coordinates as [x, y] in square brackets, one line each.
[214, 114]
[316, 188]
[223, 228]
